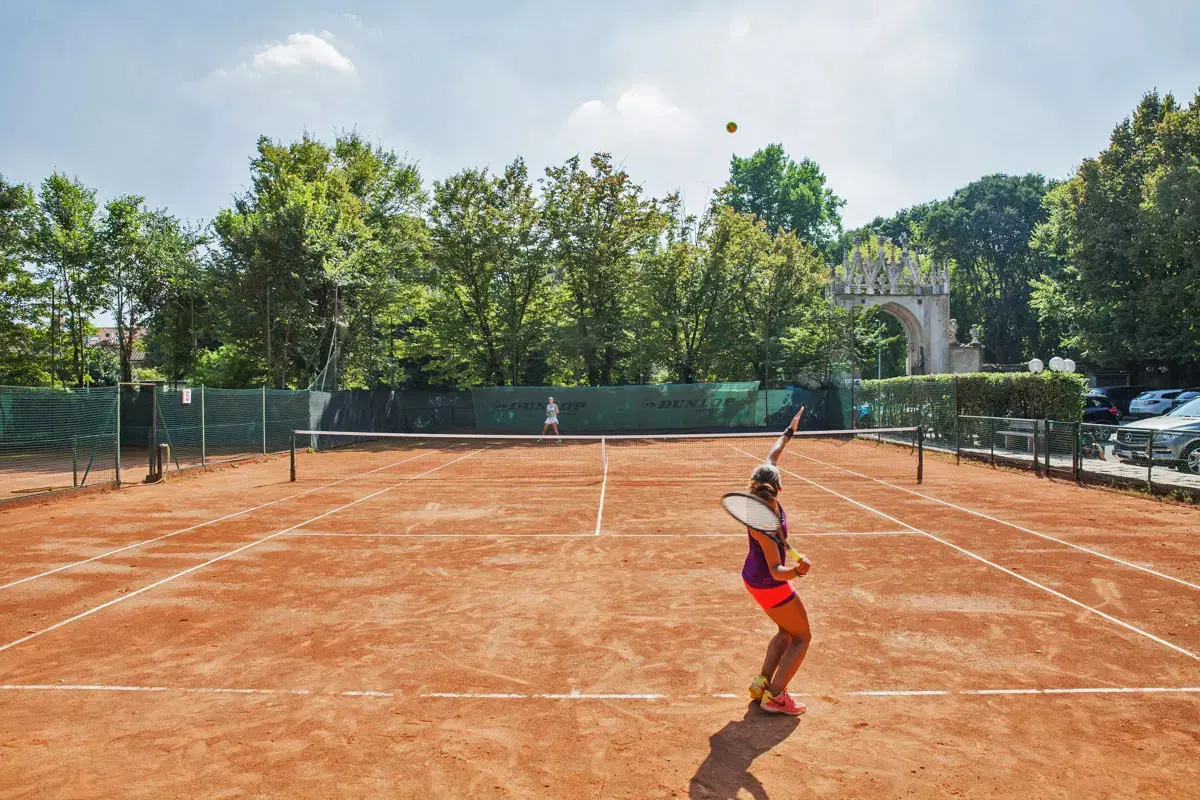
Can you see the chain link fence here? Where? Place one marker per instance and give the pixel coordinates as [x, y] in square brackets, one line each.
[1160, 461]
[55, 439]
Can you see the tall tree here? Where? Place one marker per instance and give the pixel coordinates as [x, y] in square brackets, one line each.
[1125, 226]
[316, 257]
[688, 290]
[779, 281]
[24, 301]
[490, 273]
[784, 195]
[984, 230]
[597, 222]
[65, 252]
[141, 250]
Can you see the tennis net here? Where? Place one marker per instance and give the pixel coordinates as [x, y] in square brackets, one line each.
[880, 453]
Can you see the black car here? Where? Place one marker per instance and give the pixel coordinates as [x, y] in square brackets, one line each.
[1119, 396]
[1099, 410]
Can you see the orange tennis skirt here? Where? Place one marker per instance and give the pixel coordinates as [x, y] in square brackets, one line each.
[773, 597]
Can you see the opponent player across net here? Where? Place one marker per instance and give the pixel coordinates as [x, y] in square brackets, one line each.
[551, 418]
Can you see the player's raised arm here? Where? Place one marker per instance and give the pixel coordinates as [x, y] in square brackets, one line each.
[782, 441]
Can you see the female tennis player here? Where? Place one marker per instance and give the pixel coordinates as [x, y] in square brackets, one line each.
[766, 578]
[551, 418]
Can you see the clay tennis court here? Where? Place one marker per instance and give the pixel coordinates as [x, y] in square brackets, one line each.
[466, 618]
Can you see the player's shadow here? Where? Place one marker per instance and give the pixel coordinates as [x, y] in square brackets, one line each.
[732, 750]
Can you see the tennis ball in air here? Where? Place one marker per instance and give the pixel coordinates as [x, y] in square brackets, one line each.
[731, 126]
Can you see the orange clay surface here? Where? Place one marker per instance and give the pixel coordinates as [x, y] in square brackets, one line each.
[466, 629]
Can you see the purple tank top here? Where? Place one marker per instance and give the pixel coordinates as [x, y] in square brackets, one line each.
[756, 571]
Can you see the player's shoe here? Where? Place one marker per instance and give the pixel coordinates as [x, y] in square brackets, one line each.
[781, 704]
[757, 687]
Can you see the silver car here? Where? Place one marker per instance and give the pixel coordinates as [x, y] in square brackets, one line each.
[1176, 439]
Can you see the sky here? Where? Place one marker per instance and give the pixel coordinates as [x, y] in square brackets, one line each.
[899, 101]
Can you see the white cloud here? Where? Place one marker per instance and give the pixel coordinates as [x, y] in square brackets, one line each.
[305, 72]
[640, 113]
[302, 51]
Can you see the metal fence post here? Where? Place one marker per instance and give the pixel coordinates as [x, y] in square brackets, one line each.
[1049, 439]
[153, 426]
[1150, 461]
[264, 420]
[203, 432]
[1076, 457]
[117, 435]
[1036, 470]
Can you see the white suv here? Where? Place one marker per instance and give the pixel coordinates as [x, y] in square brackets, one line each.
[1153, 403]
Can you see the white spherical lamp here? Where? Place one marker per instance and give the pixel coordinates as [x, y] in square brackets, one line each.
[1036, 366]
[1068, 365]
[1056, 364]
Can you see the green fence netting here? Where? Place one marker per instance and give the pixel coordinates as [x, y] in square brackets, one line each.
[56, 439]
[668, 407]
[931, 405]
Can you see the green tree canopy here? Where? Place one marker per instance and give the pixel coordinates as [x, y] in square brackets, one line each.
[318, 249]
[1127, 227]
[784, 195]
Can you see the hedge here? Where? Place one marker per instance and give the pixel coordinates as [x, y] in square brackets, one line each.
[934, 401]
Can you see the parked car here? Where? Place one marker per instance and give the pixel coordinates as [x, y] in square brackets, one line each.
[1176, 439]
[1119, 395]
[1099, 410]
[1184, 396]
[1153, 403]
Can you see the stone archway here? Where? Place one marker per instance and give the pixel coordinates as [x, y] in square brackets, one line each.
[913, 290]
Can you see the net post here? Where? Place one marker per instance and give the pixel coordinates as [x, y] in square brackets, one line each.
[75, 461]
[992, 439]
[264, 420]
[292, 458]
[203, 432]
[117, 435]
[920, 454]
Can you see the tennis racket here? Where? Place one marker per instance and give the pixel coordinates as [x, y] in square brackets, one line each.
[753, 512]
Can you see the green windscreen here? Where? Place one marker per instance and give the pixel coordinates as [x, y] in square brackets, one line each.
[56, 439]
[603, 409]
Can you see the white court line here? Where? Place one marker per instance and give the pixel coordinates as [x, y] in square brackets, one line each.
[203, 524]
[576, 535]
[992, 564]
[1013, 525]
[223, 556]
[637, 696]
[603, 486]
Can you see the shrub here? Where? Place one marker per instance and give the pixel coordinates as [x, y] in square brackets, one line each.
[933, 401]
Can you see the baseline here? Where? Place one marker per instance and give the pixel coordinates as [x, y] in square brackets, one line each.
[577, 695]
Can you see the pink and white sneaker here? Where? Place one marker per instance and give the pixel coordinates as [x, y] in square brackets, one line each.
[781, 703]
